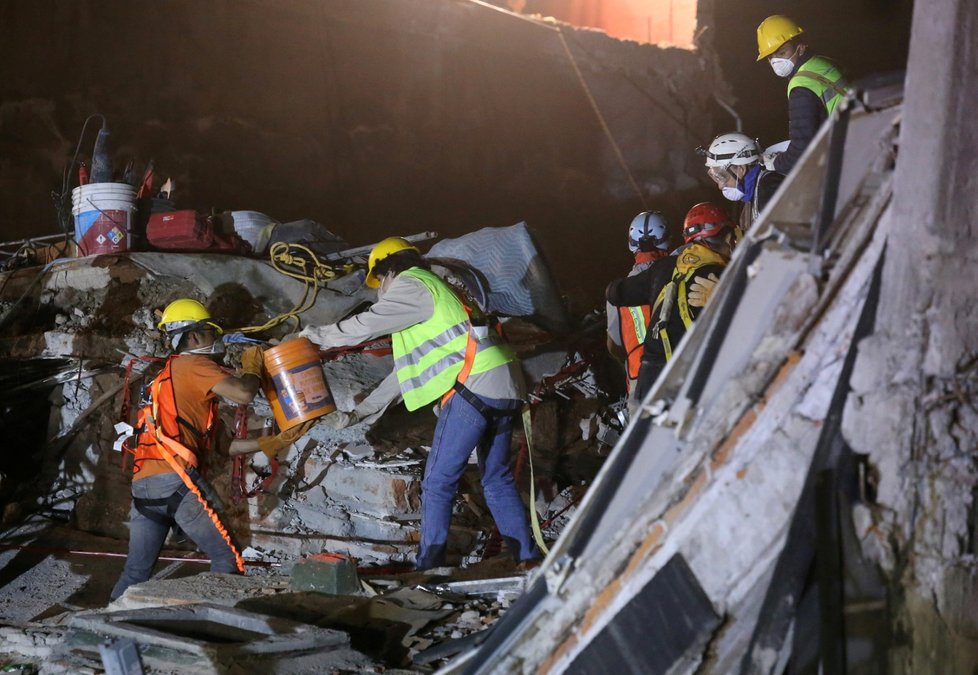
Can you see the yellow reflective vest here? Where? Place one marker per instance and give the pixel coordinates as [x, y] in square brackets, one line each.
[820, 76]
[428, 356]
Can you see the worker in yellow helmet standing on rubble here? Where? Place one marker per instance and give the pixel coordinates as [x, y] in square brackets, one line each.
[174, 431]
[815, 86]
[444, 351]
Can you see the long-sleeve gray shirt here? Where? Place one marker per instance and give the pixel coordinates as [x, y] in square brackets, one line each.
[405, 303]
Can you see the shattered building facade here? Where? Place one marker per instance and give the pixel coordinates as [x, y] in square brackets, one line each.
[797, 491]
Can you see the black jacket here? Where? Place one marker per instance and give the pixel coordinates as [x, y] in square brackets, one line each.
[644, 288]
[806, 112]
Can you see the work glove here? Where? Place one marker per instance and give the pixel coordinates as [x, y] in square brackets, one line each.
[260, 462]
[341, 420]
[253, 361]
[768, 159]
[701, 289]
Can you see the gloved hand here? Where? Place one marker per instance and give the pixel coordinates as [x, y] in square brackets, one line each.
[701, 289]
[260, 462]
[768, 159]
[253, 361]
[341, 420]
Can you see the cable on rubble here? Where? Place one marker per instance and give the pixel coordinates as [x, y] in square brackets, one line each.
[307, 268]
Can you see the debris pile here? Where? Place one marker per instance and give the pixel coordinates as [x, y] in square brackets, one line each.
[80, 338]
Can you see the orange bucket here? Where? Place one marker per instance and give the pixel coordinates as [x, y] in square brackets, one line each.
[296, 386]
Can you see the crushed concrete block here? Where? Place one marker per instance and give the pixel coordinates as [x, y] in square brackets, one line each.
[374, 490]
[335, 521]
[326, 573]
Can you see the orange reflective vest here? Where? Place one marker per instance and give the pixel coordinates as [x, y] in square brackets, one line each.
[159, 424]
[633, 322]
[159, 438]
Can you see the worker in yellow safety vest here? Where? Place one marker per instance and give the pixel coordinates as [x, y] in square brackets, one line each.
[445, 352]
[174, 431]
[815, 85]
[648, 240]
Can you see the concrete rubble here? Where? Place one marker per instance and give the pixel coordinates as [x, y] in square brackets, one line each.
[80, 334]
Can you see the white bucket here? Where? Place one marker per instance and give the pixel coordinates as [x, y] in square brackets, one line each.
[103, 217]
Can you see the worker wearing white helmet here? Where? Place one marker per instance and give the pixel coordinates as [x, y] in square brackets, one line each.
[648, 240]
[733, 161]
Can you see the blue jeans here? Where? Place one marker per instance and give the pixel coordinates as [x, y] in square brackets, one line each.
[460, 429]
[146, 536]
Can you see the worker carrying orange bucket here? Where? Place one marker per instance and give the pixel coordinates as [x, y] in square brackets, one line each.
[295, 385]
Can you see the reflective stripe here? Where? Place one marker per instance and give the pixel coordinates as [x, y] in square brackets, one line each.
[447, 361]
[638, 321]
[430, 355]
[822, 78]
[440, 340]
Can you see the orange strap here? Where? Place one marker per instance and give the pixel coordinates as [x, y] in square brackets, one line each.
[471, 347]
[169, 449]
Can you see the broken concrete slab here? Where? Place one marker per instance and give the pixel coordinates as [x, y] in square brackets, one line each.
[220, 638]
[208, 587]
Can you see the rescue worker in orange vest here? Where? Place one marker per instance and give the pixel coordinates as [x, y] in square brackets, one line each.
[175, 430]
[815, 85]
[678, 287]
[648, 240]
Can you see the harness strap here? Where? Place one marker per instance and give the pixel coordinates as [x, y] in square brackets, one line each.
[471, 347]
[168, 447]
[487, 411]
[534, 518]
[815, 77]
[172, 503]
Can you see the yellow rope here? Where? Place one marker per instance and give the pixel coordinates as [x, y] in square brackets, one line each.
[309, 270]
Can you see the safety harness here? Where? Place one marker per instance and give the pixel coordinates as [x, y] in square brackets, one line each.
[490, 413]
[675, 293]
[158, 430]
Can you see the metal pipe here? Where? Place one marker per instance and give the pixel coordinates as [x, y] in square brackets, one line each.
[733, 113]
[31, 240]
[30, 548]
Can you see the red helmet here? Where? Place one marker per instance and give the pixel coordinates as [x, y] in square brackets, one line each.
[705, 220]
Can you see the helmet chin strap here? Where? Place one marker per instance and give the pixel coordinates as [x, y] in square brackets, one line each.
[216, 347]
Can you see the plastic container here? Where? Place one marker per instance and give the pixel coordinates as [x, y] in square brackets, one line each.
[296, 386]
[255, 228]
[103, 215]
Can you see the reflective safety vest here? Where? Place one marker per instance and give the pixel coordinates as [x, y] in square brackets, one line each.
[633, 322]
[674, 295]
[164, 431]
[820, 76]
[428, 356]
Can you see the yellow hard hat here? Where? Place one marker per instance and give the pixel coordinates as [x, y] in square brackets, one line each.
[185, 313]
[773, 32]
[387, 247]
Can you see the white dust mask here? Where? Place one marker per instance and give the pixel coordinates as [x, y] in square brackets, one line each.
[782, 67]
[734, 194]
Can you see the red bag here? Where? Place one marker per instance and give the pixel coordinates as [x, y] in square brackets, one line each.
[188, 232]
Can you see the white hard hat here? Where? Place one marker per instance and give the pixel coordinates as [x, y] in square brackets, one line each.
[736, 149]
[647, 231]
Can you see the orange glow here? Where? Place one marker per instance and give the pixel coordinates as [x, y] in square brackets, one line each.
[669, 21]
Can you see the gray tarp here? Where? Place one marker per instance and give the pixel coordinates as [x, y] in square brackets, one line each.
[520, 283]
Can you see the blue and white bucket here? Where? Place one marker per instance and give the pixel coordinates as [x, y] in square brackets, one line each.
[103, 215]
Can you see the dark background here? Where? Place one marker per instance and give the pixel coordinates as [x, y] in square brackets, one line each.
[380, 117]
